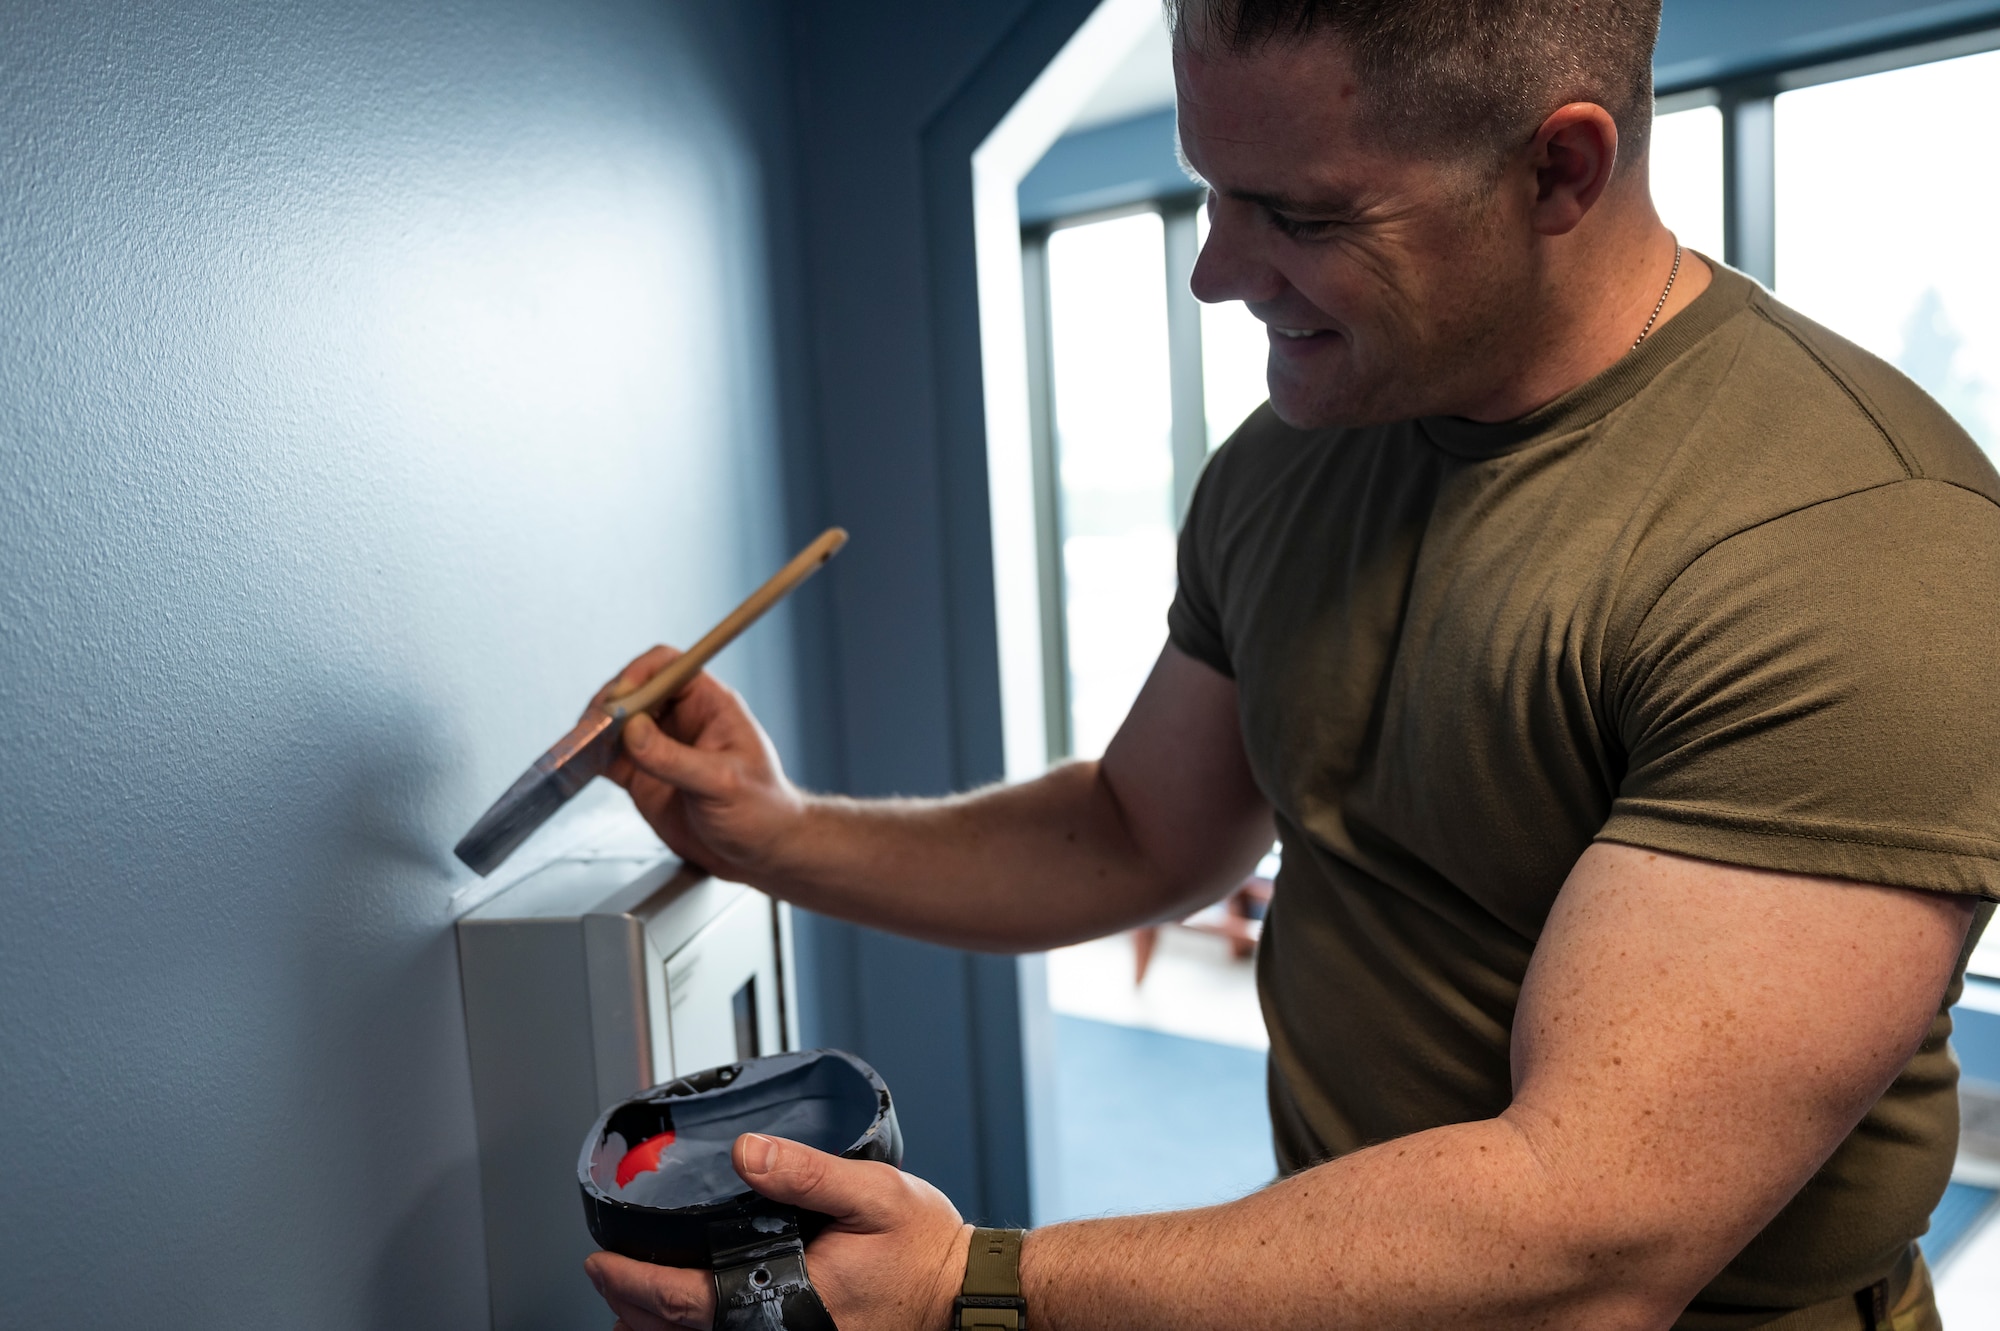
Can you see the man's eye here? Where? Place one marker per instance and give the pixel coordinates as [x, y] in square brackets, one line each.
[1302, 228]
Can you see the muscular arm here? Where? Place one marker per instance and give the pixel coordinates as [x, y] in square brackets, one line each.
[1693, 1041]
[1167, 820]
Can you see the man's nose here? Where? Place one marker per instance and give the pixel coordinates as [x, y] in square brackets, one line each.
[1231, 265]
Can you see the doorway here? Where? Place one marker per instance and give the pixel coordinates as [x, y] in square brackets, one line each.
[1104, 399]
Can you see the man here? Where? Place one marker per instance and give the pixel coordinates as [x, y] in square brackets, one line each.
[1613, 650]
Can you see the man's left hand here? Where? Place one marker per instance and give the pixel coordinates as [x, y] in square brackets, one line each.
[892, 1260]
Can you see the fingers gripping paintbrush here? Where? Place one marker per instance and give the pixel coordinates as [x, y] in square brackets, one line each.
[588, 749]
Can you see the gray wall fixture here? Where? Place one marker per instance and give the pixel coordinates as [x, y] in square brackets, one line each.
[373, 379]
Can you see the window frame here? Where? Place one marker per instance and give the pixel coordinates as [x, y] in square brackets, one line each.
[1189, 416]
[1749, 104]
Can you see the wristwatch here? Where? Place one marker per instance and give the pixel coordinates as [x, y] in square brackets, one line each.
[991, 1297]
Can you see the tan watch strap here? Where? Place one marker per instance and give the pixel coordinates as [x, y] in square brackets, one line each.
[990, 1299]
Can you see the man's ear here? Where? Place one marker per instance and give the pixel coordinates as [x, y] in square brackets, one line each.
[1573, 156]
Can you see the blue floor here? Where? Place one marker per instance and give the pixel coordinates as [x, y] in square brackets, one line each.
[1956, 1216]
[1151, 1122]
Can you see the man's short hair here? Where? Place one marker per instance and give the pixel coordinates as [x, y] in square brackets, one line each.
[1461, 77]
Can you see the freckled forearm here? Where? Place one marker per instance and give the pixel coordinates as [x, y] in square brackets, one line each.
[1010, 868]
[1458, 1226]
[1670, 1098]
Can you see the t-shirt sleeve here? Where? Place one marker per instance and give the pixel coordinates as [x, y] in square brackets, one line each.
[1194, 619]
[1818, 695]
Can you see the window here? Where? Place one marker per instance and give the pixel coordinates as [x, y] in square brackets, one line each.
[1234, 351]
[1113, 460]
[1886, 219]
[1686, 167]
[1137, 383]
[1882, 197]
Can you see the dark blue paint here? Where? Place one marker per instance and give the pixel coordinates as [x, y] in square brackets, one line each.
[1151, 1122]
[866, 80]
[998, 1089]
[892, 99]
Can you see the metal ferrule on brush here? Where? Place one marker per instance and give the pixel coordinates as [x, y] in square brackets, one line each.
[584, 753]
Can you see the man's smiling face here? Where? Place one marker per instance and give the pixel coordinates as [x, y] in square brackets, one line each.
[1385, 276]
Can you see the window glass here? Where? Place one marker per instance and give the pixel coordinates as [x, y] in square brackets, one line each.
[1887, 200]
[1686, 166]
[1114, 450]
[1234, 349]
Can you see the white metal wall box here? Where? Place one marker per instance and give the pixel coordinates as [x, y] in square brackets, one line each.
[586, 982]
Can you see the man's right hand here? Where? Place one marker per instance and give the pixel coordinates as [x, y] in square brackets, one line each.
[705, 775]
[1168, 820]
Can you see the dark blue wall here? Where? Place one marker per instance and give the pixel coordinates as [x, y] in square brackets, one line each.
[893, 97]
[373, 377]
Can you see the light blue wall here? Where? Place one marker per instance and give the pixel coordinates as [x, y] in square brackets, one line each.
[373, 377]
[370, 376]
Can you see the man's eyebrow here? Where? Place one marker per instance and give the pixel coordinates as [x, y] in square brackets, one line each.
[1338, 205]
[1330, 205]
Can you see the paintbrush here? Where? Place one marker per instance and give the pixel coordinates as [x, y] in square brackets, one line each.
[588, 749]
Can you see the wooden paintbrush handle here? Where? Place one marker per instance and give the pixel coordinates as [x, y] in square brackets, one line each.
[680, 672]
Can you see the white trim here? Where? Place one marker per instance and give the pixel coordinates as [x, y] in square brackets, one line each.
[1044, 112]
[998, 164]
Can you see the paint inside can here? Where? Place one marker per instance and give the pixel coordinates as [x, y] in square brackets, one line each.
[644, 1156]
[674, 1150]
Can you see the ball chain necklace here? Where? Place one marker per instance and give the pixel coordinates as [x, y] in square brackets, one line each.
[1671, 275]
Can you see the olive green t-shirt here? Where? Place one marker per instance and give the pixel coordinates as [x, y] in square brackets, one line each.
[1737, 597]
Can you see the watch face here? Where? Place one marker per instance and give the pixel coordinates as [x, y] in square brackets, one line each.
[655, 1170]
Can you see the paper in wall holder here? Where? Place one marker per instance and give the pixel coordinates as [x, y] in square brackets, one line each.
[658, 1184]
